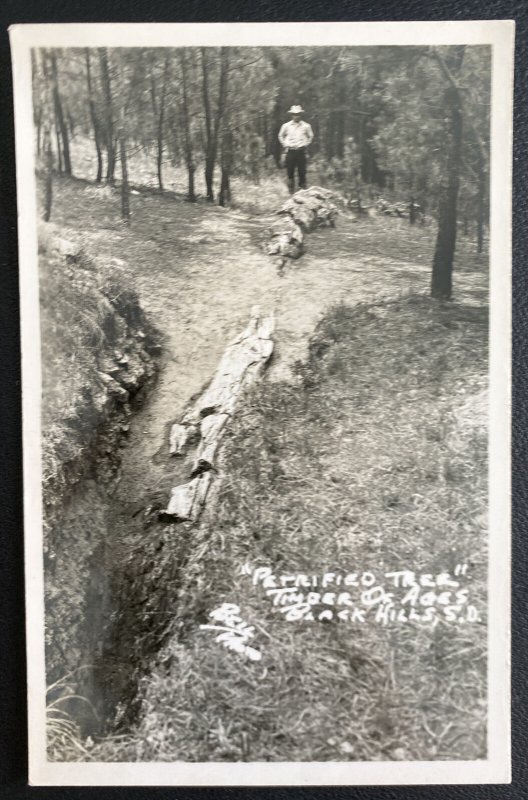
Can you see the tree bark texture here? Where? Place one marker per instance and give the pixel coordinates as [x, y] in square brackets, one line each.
[59, 148]
[48, 180]
[213, 121]
[241, 364]
[122, 138]
[93, 117]
[59, 115]
[305, 210]
[159, 113]
[209, 160]
[442, 274]
[108, 115]
[188, 143]
[125, 189]
[226, 165]
[37, 104]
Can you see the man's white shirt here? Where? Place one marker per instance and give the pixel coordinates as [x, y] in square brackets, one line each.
[294, 134]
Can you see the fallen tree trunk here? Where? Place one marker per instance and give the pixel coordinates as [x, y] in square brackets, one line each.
[305, 210]
[286, 238]
[186, 501]
[241, 364]
[252, 347]
[180, 436]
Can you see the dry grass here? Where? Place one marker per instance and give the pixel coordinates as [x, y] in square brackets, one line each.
[64, 738]
[263, 198]
[84, 303]
[365, 464]
[73, 314]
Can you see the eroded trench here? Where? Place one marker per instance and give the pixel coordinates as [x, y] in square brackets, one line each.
[120, 569]
[119, 563]
[122, 561]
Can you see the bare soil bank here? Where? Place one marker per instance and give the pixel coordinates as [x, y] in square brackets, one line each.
[87, 408]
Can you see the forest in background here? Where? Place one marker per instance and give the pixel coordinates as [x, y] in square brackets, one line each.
[410, 123]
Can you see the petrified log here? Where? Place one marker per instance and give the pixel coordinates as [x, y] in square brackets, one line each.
[303, 216]
[252, 346]
[204, 461]
[325, 217]
[187, 500]
[211, 430]
[285, 237]
[309, 200]
[180, 436]
[301, 209]
[211, 426]
[304, 211]
[242, 362]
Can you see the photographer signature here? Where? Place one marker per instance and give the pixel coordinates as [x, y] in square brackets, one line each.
[234, 632]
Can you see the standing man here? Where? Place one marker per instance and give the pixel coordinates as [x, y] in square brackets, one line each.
[295, 136]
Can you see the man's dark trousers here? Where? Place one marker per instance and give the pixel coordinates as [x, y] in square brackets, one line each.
[296, 160]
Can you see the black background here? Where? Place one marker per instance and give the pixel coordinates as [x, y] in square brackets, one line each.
[13, 736]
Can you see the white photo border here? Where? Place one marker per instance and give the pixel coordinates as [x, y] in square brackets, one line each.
[500, 35]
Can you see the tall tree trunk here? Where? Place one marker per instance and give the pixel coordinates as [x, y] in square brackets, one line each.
[48, 116]
[93, 118]
[161, 120]
[122, 139]
[276, 147]
[39, 131]
[37, 107]
[191, 196]
[188, 142]
[59, 148]
[48, 179]
[268, 151]
[71, 123]
[212, 125]
[37, 104]
[224, 195]
[59, 114]
[209, 155]
[125, 189]
[442, 274]
[340, 117]
[108, 115]
[209, 178]
[226, 164]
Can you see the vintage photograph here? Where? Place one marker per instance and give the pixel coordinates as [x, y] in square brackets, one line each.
[261, 420]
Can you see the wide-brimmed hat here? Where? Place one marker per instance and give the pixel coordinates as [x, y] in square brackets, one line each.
[296, 110]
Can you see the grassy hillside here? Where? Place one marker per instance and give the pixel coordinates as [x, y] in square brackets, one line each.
[373, 460]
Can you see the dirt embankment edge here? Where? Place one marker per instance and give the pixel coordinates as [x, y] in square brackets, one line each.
[86, 469]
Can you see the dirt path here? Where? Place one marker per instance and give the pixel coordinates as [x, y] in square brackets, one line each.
[202, 303]
[199, 270]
